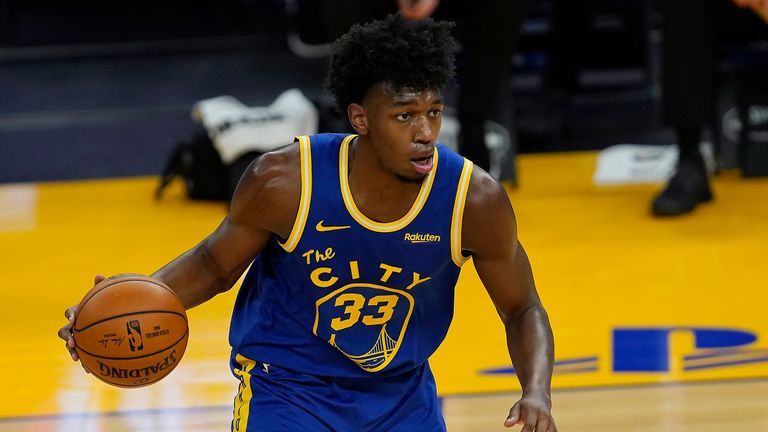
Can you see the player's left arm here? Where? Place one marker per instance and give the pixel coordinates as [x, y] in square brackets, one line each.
[489, 233]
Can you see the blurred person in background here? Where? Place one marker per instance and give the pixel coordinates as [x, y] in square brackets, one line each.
[693, 31]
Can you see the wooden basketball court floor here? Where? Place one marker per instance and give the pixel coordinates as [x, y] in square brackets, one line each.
[659, 324]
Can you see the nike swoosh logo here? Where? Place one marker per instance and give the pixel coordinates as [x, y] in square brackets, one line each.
[322, 228]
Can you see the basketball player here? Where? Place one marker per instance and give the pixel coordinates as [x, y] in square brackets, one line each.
[356, 243]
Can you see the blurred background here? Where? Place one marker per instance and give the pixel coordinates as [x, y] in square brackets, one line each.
[112, 85]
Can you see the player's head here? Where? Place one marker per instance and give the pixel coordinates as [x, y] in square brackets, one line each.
[403, 53]
[387, 76]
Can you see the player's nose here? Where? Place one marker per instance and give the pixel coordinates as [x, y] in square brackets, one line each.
[424, 130]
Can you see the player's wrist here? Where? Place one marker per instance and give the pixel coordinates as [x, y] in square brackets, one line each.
[542, 394]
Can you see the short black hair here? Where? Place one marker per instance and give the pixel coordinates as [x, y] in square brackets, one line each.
[404, 53]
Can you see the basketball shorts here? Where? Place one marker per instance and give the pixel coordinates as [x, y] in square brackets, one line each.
[274, 399]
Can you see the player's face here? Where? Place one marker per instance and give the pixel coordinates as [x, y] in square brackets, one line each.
[403, 125]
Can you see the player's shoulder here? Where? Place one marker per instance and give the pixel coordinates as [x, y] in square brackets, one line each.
[489, 220]
[271, 186]
[271, 172]
[484, 193]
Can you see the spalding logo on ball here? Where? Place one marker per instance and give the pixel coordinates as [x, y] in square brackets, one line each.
[130, 330]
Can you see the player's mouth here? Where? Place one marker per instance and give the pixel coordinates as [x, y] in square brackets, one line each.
[423, 164]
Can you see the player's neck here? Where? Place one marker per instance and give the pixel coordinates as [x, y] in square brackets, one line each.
[378, 192]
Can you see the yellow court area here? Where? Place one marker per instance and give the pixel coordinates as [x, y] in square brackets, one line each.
[659, 324]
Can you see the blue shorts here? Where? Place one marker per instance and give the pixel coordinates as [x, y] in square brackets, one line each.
[273, 399]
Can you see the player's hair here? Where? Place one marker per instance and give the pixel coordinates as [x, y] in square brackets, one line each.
[394, 50]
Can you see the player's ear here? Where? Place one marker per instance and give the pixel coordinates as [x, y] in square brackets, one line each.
[357, 118]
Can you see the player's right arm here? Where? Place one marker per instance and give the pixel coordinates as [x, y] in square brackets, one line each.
[265, 203]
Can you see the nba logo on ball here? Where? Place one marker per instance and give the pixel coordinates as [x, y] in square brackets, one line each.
[134, 335]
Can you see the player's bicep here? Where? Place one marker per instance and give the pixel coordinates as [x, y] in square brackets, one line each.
[231, 247]
[490, 234]
[509, 282]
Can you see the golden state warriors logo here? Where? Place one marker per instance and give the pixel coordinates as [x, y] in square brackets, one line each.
[366, 322]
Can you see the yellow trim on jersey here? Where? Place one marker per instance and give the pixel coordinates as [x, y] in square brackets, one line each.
[362, 219]
[244, 394]
[458, 213]
[305, 152]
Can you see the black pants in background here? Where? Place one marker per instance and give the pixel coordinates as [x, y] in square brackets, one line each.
[694, 32]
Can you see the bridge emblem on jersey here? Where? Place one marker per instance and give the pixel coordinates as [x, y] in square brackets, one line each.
[365, 322]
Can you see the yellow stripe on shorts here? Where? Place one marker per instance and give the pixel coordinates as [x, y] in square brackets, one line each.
[244, 394]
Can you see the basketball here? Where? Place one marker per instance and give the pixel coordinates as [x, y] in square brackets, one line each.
[130, 330]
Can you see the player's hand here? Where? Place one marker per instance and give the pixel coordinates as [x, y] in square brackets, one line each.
[417, 9]
[533, 412]
[66, 331]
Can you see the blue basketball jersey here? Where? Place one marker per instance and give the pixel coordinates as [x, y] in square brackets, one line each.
[347, 296]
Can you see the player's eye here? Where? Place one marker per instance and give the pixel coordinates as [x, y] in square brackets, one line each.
[435, 112]
[403, 117]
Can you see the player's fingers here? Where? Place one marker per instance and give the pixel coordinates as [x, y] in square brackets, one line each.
[69, 342]
[70, 313]
[71, 349]
[65, 333]
[552, 427]
[98, 278]
[531, 418]
[543, 424]
[514, 416]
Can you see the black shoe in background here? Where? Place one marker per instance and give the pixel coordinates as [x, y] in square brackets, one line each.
[684, 191]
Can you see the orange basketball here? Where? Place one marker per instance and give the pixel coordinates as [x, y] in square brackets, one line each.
[130, 330]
